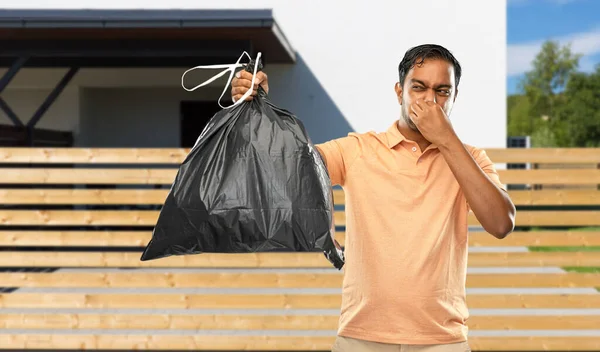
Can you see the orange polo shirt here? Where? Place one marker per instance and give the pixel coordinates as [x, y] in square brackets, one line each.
[406, 239]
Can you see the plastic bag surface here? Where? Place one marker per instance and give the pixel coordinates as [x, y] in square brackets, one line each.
[253, 182]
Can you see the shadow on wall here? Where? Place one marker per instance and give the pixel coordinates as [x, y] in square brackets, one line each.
[150, 116]
[297, 89]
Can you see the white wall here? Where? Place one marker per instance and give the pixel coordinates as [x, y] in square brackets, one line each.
[352, 50]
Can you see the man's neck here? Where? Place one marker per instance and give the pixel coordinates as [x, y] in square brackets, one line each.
[412, 135]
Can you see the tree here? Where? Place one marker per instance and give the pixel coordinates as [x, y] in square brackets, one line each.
[551, 70]
[580, 110]
[519, 123]
[536, 111]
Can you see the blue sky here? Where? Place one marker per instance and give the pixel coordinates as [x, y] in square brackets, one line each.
[531, 22]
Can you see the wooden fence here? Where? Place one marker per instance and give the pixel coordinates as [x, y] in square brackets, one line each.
[74, 222]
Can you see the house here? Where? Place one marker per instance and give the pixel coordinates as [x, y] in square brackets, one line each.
[111, 77]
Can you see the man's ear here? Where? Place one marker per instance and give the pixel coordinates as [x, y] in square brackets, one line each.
[398, 90]
[455, 95]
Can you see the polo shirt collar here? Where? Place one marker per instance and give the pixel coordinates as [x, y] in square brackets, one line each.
[395, 137]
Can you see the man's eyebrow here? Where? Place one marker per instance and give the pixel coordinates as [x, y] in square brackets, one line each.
[418, 81]
[423, 83]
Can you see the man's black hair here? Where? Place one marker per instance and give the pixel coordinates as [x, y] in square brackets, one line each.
[416, 56]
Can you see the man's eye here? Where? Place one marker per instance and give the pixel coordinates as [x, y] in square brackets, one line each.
[417, 87]
[444, 91]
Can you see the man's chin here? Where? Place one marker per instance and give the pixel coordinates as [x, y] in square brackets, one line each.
[412, 126]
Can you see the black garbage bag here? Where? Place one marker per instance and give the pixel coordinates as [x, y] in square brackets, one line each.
[253, 182]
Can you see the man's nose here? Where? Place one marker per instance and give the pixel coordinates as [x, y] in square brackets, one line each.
[430, 96]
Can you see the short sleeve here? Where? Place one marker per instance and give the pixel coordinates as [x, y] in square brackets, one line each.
[486, 164]
[339, 154]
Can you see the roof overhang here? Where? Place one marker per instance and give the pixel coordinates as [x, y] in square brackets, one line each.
[109, 38]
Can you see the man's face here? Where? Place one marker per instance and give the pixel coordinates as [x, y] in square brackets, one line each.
[434, 81]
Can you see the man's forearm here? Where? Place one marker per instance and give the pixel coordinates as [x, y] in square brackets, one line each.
[490, 204]
[321, 155]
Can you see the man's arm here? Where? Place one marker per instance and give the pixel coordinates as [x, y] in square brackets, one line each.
[338, 156]
[491, 205]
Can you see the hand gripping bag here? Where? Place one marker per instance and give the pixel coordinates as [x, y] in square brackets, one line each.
[253, 182]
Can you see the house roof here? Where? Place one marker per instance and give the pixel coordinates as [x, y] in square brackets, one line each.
[177, 36]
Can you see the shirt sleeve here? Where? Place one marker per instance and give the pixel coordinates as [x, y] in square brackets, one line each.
[339, 155]
[486, 164]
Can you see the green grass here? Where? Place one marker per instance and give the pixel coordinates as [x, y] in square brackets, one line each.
[564, 248]
[572, 269]
[585, 228]
[582, 269]
[589, 228]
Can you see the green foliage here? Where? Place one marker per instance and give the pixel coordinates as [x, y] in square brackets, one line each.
[559, 106]
[580, 110]
[565, 249]
[519, 121]
[552, 68]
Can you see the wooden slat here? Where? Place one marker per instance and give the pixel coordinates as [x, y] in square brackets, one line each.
[149, 218]
[269, 343]
[555, 197]
[132, 259]
[534, 197]
[270, 260]
[265, 322]
[139, 238]
[166, 176]
[94, 155]
[92, 217]
[525, 238]
[171, 301]
[168, 321]
[550, 301]
[79, 217]
[82, 238]
[88, 176]
[550, 280]
[535, 343]
[265, 301]
[551, 218]
[544, 155]
[339, 197]
[178, 280]
[177, 155]
[533, 259]
[268, 280]
[83, 196]
[75, 238]
[193, 342]
[551, 176]
[523, 322]
[537, 238]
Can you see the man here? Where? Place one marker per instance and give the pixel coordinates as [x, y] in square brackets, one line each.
[408, 194]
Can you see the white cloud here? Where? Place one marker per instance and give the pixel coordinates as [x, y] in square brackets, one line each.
[521, 55]
[588, 64]
[525, 2]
